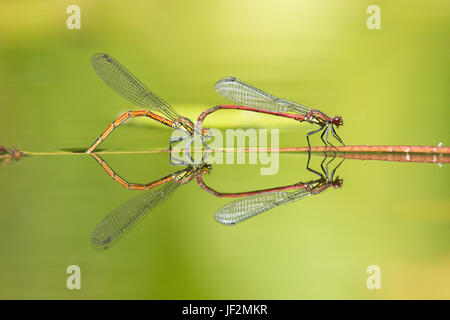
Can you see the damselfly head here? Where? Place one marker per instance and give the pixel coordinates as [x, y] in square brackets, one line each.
[337, 183]
[338, 121]
[206, 168]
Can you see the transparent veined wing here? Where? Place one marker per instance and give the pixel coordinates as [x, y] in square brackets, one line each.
[245, 208]
[122, 81]
[122, 219]
[242, 93]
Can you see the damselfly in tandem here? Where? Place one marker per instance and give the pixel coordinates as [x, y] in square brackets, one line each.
[252, 99]
[122, 81]
[125, 217]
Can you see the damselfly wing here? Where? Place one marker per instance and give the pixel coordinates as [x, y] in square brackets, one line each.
[240, 92]
[122, 81]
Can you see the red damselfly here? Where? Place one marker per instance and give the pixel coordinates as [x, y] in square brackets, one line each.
[122, 81]
[256, 100]
[205, 187]
[256, 202]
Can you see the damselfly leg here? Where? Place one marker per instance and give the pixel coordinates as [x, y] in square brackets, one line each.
[311, 133]
[325, 172]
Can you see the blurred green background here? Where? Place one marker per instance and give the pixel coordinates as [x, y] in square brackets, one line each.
[389, 85]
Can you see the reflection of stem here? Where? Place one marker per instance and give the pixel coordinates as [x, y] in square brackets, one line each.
[429, 154]
[397, 157]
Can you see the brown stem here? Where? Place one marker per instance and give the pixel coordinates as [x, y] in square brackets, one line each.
[361, 149]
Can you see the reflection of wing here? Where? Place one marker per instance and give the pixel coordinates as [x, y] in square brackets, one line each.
[125, 217]
[242, 209]
[243, 93]
[127, 85]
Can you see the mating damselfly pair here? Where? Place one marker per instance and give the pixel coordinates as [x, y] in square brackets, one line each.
[247, 204]
[247, 98]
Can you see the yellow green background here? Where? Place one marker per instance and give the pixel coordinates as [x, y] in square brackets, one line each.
[389, 85]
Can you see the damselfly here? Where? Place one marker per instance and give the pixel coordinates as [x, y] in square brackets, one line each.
[204, 187]
[263, 200]
[256, 100]
[122, 219]
[118, 78]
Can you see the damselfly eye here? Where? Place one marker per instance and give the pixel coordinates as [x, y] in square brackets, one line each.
[207, 169]
[338, 183]
[338, 121]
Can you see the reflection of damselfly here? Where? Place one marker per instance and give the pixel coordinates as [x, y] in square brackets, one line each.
[118, 78]
[122, 219]
[256, 202]
[256, 100]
